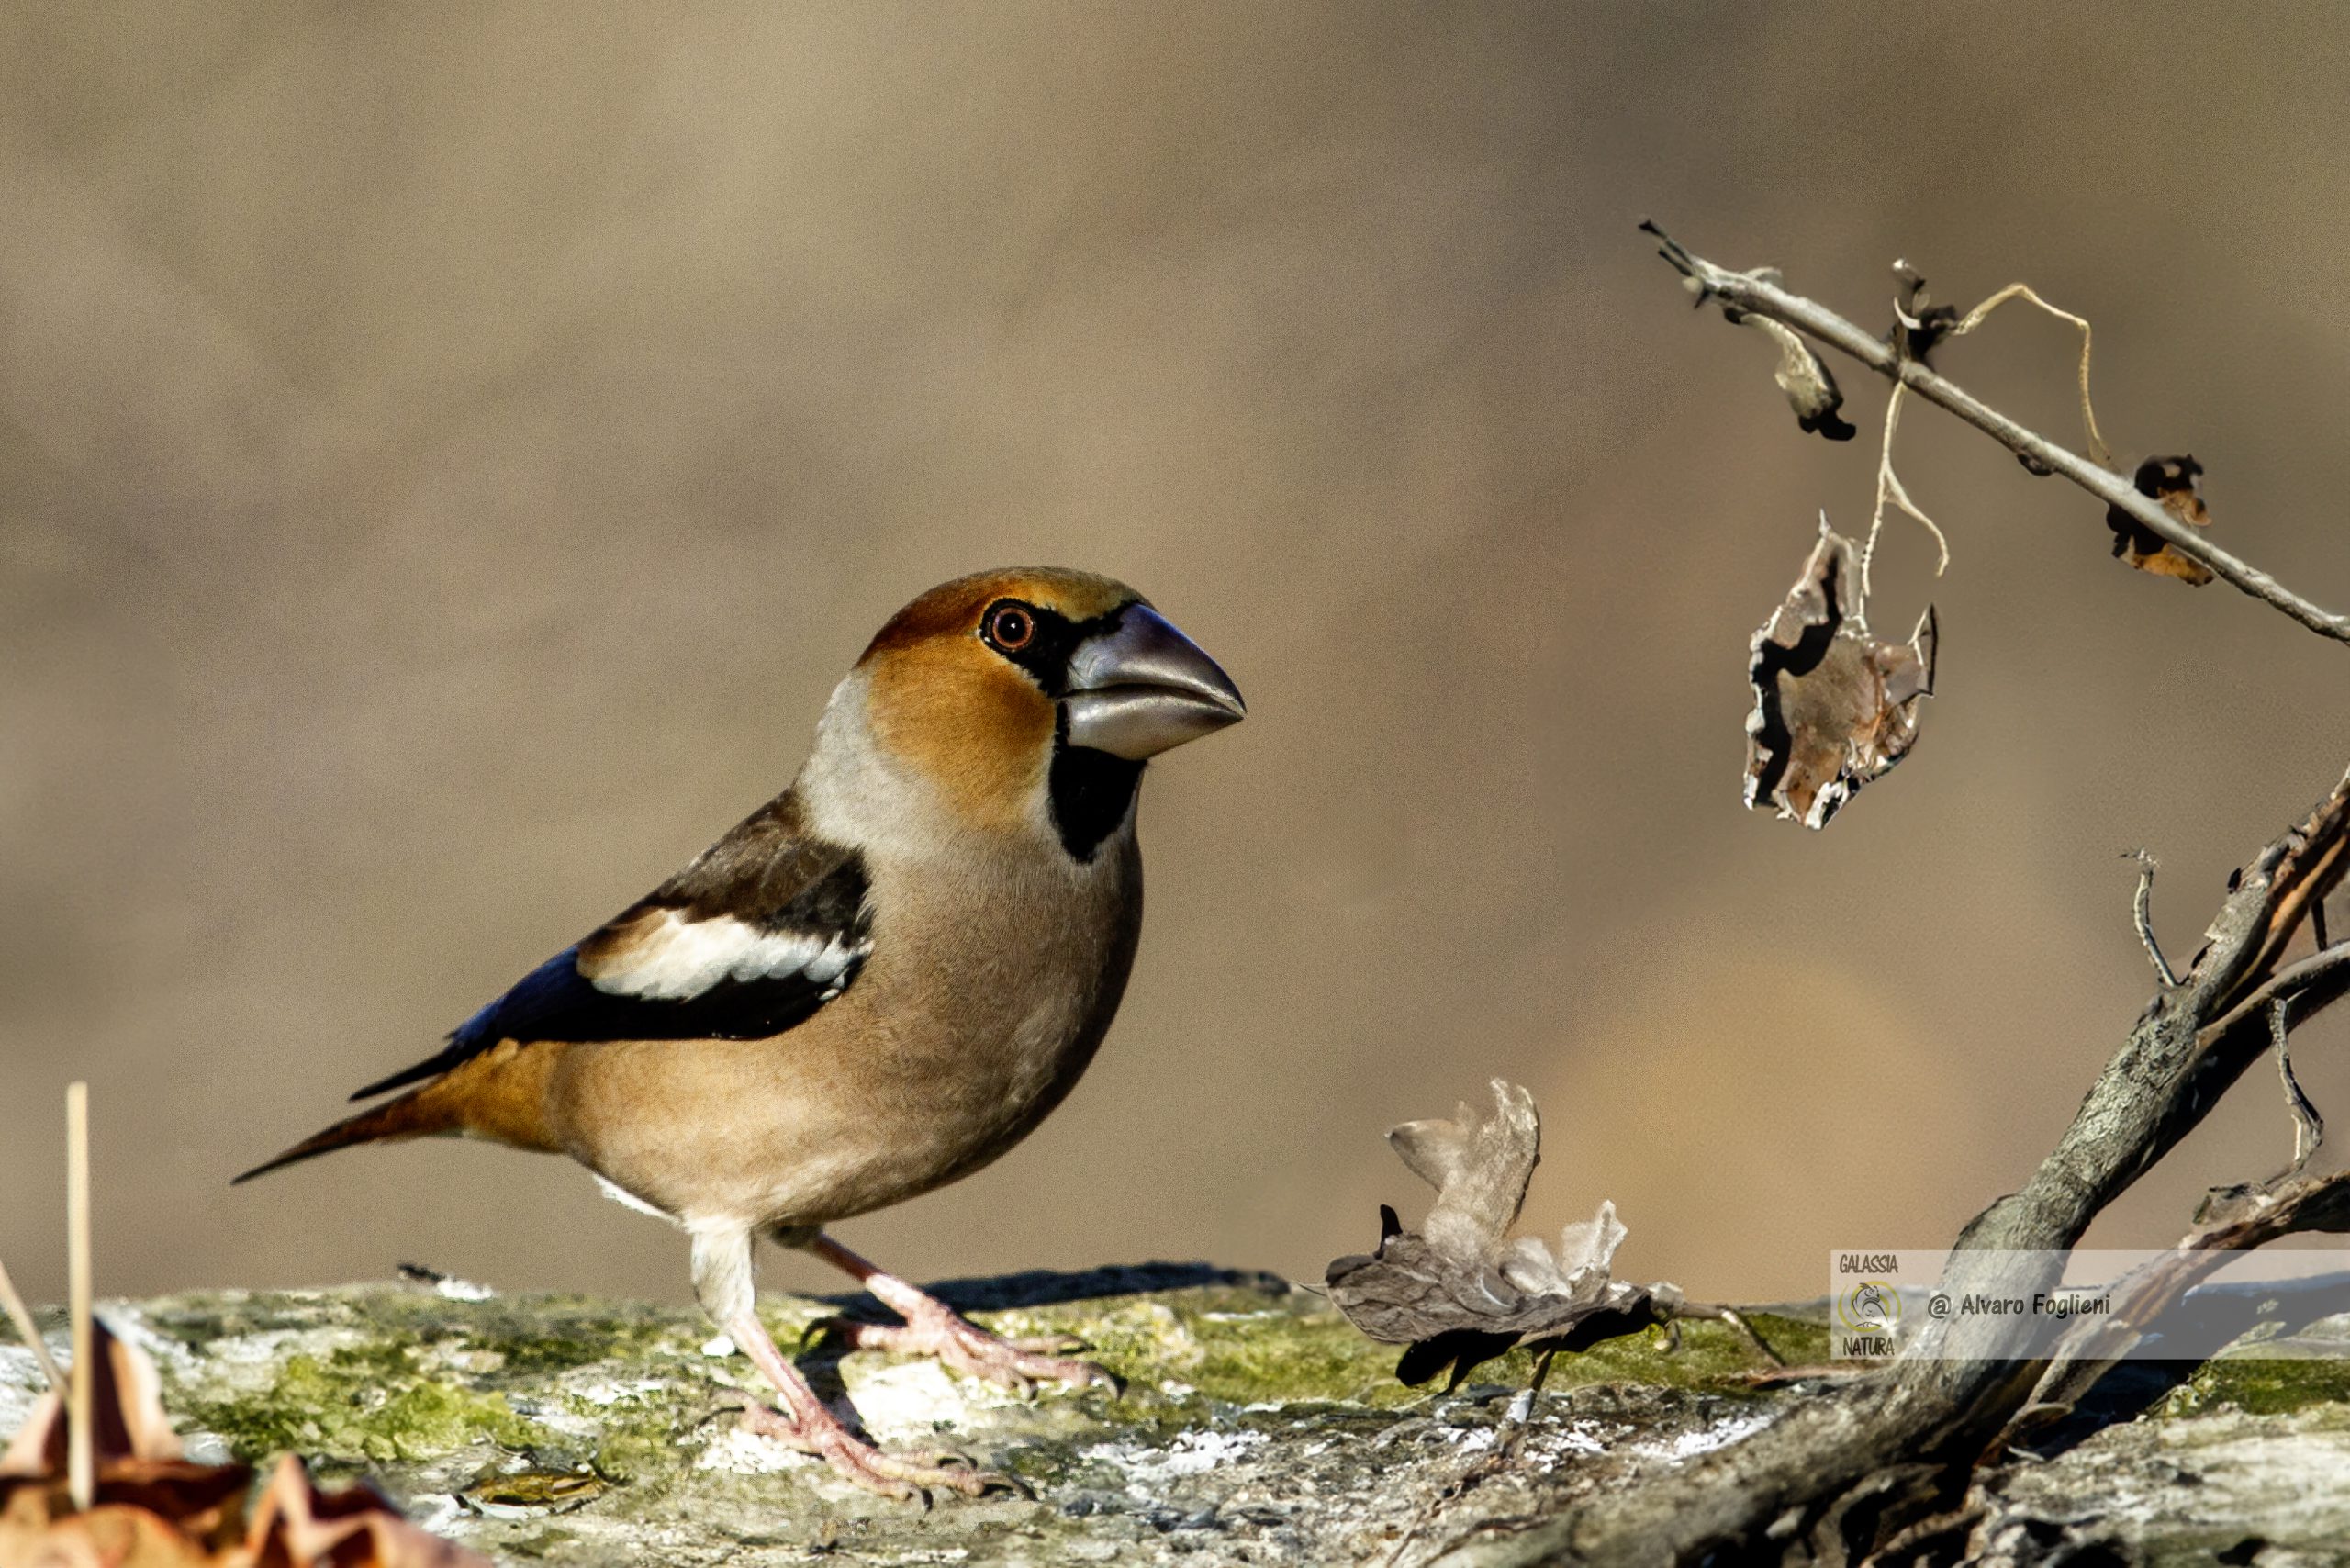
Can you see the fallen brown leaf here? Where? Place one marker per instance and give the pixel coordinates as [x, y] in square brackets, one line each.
[156, 1509]
[1459, 1291]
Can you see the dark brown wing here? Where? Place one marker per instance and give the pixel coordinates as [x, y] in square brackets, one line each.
[763, 929]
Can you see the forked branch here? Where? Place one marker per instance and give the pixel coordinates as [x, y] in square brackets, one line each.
[1852, 1468]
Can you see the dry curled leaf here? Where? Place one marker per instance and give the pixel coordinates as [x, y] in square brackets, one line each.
[1834, 706]
[1459, 1291]
[2176, 483]
[1919, 325]
[156, 1509]
[1803, 376]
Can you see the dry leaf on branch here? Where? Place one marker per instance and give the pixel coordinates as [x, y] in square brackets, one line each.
[2176, 483]
[1458, 1291]
[1834, 706]
[1802, 375]
[156, 1509]
[1919, 325]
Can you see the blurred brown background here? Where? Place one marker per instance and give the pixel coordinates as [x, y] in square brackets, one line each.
[447, 456]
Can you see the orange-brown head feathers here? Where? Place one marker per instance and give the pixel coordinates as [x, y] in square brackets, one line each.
[1022, 695]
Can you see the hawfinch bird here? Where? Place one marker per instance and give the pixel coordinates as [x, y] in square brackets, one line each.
[880, 981]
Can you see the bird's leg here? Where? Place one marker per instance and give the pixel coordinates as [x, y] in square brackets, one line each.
[723, 1280]
[933, 1328]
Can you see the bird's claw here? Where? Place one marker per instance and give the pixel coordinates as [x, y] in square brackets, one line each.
[903, 1478]
[964, 1347]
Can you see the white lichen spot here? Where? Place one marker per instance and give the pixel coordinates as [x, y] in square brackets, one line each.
[1174, 1390]
[1195, 1454]
[718, 1348]
[607, 1391]
[462, 1290]
[21, 1382]
[1582, 1438]
[250, 1363]
[741, 1453]
[443, 1515]
[1688, 1445]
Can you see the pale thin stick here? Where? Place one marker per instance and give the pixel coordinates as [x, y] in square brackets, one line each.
[2141, 914]
[2097, 449]
[81, 1467]
[2309, 1128]
[29, 1332]
[1888, 484]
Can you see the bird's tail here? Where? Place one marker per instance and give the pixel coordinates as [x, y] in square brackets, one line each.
[419, 1112]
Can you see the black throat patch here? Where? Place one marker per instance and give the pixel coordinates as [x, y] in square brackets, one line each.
[1092, 791]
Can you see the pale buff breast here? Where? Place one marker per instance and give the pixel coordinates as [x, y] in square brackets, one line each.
[986, 995]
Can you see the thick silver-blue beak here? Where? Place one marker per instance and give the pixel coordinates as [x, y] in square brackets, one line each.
[1143, 688]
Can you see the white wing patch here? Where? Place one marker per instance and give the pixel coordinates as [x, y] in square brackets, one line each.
[679, 959]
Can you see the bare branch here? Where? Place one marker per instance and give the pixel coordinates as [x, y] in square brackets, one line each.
[2286, 983]
[1758, 293]
[2235, 1221]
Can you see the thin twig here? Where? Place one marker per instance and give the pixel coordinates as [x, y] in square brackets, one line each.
[2098, 451]
[1888, 486]
[1758, 293]
[1738, 1325]
[21, 1316]
[81, 1466]
[2141, 911]
[2309, 1128]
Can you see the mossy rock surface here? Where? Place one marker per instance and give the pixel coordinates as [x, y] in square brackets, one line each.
[1256, 1426]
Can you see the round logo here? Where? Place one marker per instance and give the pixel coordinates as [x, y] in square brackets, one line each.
[1871, 1307]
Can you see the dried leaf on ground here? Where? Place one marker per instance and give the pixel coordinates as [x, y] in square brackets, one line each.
[156, 1509]
[1834, 706]
[1460, 1291]
[2176, 482]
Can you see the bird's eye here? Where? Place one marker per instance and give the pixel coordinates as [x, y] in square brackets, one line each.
[1011, 627]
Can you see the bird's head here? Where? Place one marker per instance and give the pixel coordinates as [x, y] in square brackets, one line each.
[1036, 694]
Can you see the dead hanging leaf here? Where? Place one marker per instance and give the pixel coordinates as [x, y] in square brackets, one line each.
[1834, 706]
[2176, 483]
[156, 1509]
[1458, 1291]
[1919, 325]
[1803, 376]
